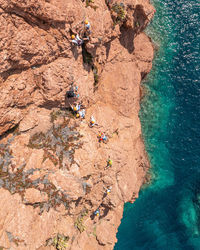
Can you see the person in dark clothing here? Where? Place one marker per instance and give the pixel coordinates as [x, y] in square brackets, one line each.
[72, 92]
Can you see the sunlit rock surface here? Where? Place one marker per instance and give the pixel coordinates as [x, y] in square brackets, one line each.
[53, 173]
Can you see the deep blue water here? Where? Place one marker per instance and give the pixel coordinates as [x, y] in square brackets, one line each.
[167, 213]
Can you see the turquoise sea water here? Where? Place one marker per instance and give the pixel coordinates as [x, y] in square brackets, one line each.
[167, 213]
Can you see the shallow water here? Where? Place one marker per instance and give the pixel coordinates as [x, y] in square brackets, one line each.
[167, 213]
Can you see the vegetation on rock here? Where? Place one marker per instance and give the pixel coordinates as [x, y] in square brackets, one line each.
[79, 221]
[59, 242]
[120, 11]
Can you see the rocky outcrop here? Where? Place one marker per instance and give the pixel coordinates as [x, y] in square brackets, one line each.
[53, 169]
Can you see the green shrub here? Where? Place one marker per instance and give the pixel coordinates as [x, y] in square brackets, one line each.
[79, 221]
[59, 242]
[119, 9]
[91, 4]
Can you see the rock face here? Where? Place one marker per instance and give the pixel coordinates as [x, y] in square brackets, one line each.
[53, 169]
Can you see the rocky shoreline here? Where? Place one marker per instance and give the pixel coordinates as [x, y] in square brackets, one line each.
[54, 174]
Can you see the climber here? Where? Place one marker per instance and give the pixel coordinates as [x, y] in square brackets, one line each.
[109, 163]
[92, 121]
[77, 107]
[73, 92]
[108, 191]
[81, 114]
[97, 212]
[87, 31]
[102, 137]
[87, 25]
[77, 40]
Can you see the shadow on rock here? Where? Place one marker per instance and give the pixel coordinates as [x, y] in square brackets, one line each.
[126, 39]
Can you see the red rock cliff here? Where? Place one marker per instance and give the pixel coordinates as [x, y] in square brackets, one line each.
[53, 173]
